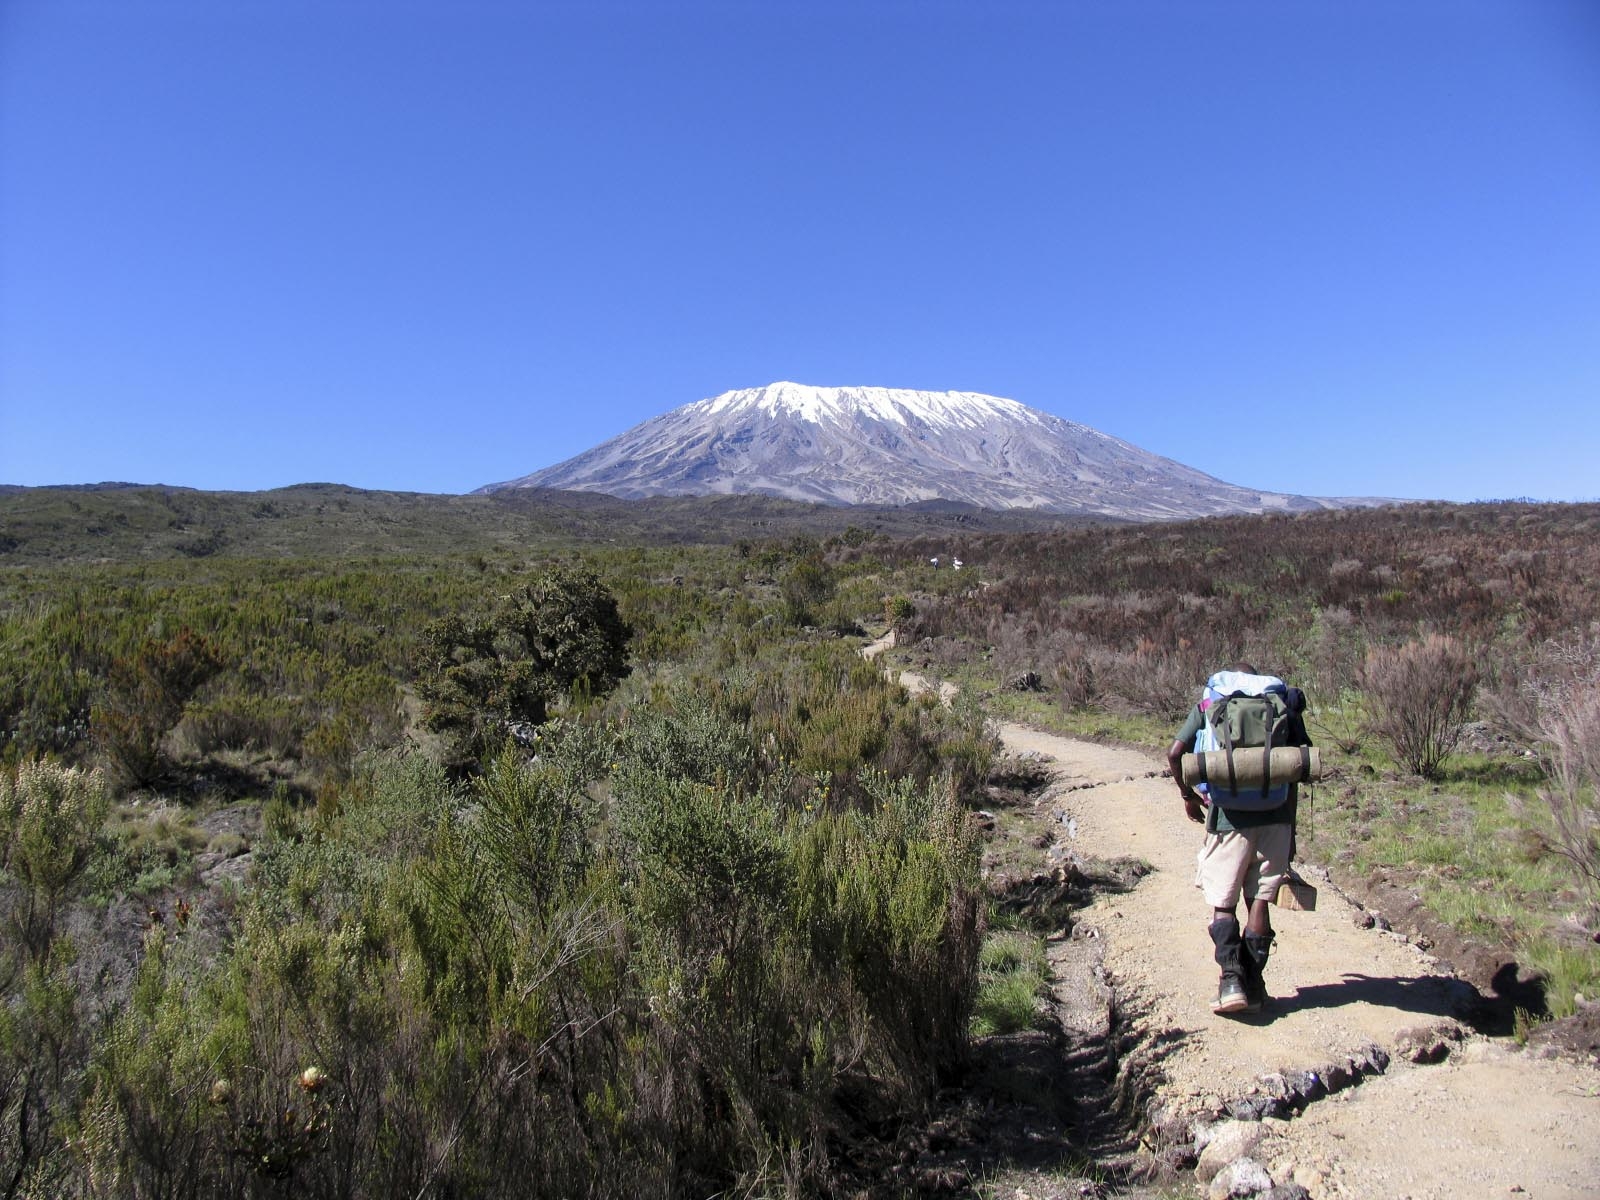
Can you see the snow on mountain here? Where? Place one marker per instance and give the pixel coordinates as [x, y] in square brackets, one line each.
[891, 446]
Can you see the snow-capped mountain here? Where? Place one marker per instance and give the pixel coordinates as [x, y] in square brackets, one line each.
[888, 446]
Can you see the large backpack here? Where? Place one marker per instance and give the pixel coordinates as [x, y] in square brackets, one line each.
[1241, 711]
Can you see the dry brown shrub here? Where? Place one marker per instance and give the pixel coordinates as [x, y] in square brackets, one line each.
[144, 698]
[1420, 694]
[1074, 678]
[1218, 589]
[1161, 684]
[1555, 707]
[1334, 648]
[1570, 728]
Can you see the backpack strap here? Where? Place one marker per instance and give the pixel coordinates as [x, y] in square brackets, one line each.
[1225, 740]
[1266, 761]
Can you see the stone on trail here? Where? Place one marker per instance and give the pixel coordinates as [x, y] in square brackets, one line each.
[1228, 1141]
[1243, 1177]
[1426, 1046]
[1310, 1177]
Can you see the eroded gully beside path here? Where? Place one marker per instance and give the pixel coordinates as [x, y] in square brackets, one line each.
[1487, 1121]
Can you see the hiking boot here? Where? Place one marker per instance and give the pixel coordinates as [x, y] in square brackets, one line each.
[1257, 948]
[1231, 995]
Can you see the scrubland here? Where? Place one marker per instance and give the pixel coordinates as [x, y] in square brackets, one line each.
[335, 871]
[1451, 658]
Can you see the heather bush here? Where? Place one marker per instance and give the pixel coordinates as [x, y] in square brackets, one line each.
[807, 585]
[1150, 680]
[432, 953]
[242, 722]
[818, 709]
[1311, 591]
[50, 820]
[49, 673]
[638, 965]
[144, 698]
[890, 892]
[1420, 694]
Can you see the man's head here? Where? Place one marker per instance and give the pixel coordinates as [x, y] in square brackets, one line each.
[1244, 668]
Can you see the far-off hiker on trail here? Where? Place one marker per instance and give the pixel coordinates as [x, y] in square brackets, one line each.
[1244, 749]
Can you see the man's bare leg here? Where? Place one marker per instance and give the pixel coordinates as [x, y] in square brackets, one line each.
[1259, 920]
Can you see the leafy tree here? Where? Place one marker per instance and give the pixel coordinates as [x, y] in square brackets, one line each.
[483, 674]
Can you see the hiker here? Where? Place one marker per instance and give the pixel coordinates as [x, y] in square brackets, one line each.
[1249, 833]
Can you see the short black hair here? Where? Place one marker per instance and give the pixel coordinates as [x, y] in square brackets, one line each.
[1245, 667]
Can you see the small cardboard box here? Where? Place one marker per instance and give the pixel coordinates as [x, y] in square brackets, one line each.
[1296, 894]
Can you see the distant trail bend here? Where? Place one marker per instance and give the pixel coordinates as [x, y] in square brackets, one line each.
[1490, 1121]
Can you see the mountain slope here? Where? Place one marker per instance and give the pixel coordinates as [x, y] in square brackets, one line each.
[891, 446]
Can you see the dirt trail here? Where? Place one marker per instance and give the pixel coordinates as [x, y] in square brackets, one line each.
[1489, 1121]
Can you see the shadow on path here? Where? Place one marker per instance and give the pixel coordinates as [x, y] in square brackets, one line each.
[1424, 995]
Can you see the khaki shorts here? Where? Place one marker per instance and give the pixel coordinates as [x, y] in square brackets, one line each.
[1252, 861]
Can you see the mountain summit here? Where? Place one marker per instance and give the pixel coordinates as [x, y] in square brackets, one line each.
[889, 446]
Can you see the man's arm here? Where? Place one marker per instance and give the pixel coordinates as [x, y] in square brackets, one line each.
[1193, 804]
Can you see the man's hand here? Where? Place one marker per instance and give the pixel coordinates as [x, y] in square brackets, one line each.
[1193, 806]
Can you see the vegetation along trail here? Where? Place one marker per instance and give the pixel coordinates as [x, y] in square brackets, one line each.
[1357, 1080]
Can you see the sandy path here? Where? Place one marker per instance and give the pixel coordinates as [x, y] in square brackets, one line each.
[1337, 988]
[1489, 1122]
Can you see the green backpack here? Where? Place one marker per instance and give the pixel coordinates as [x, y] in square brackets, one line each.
[1244, 712]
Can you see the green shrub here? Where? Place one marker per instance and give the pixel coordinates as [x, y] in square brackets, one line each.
[897, 612]
[488, 671]
[49, 837]
[516, 988]
[808, 584]
[244, 721]
[1567, 971]
[153, 844]
[50, 820]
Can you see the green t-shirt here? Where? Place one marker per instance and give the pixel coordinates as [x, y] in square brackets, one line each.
[1226, 820]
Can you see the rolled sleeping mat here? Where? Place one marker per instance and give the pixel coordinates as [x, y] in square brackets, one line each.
[1290, 764]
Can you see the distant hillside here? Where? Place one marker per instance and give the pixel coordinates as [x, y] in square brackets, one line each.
[890, 446]
[129, 523]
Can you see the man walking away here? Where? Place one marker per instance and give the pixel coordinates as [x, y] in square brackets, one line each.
[1249, 832]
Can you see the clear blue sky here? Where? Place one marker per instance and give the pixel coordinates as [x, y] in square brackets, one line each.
[1337, 248]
